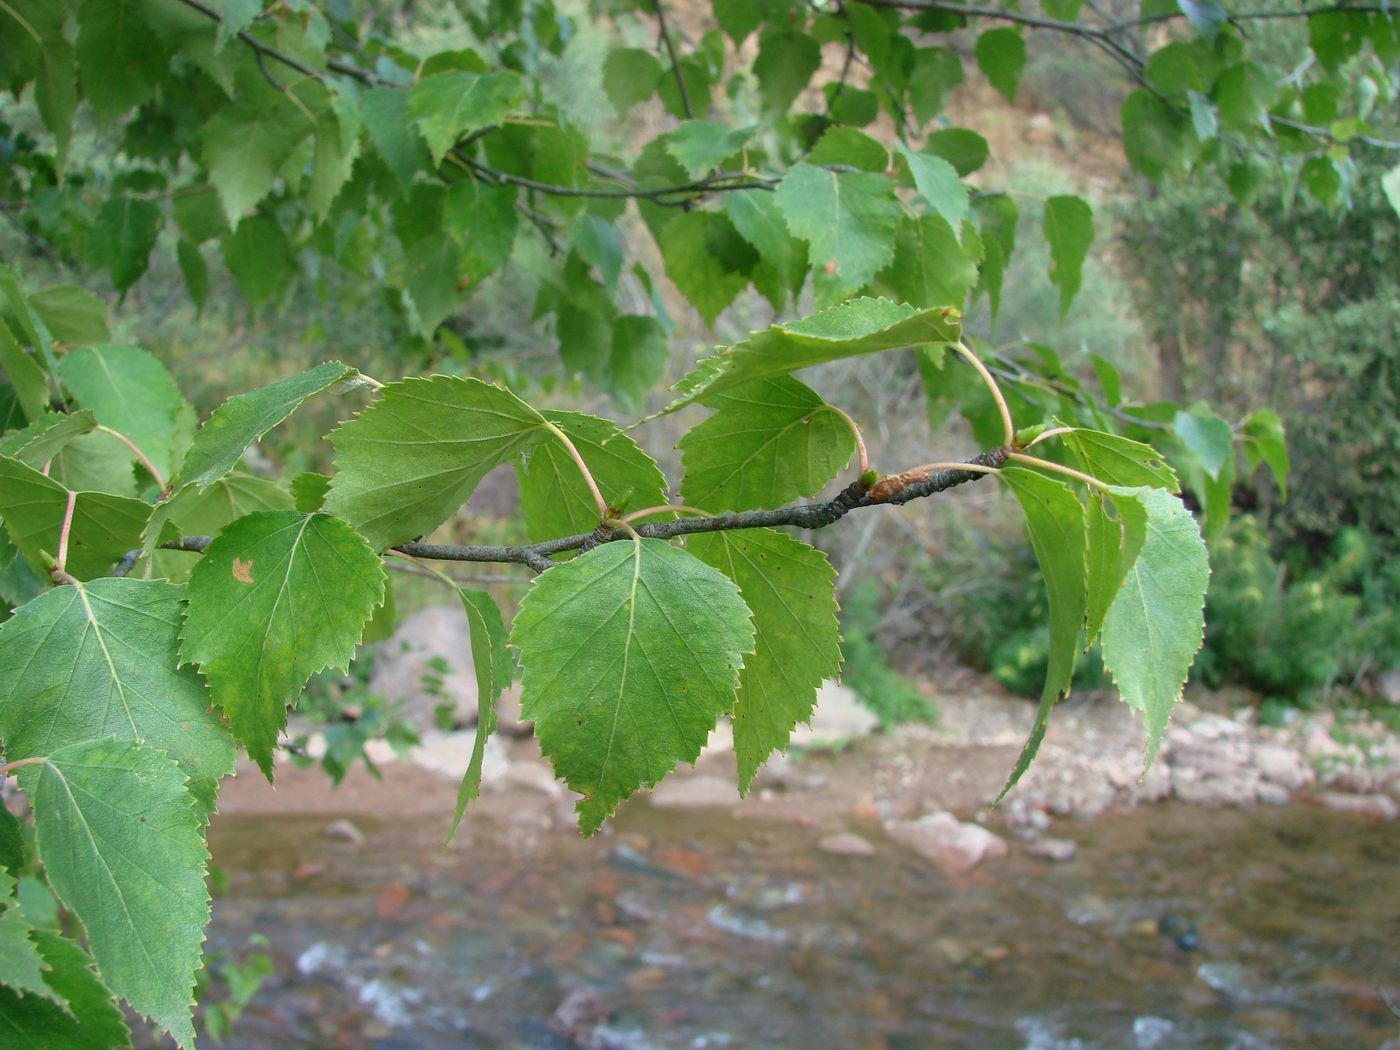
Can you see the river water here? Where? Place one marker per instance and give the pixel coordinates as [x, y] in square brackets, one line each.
[1173, 927]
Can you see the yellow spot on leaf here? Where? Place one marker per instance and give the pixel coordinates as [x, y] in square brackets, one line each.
[243, 570]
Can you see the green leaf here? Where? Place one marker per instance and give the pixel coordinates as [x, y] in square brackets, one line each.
[130, 865]
[392, 131]
[1155, 626]
[639, 356]
[99, 659]
[244, 146]
[738, 18]
[195, 271]
[337, 147]
[1243, 94]
[1001, 55]
[1055, 521]
[700, 145]
[244, 418]
[965, 150]
[44, 438]
[860, 326]
[131, 392]
[75, 317]
[449, 106]
[630, 76]
[630, 653]
[768, 442]
[405, 464]
[123, 237]
[929, 267]
[259, 256]
[95, 462]
[491, 661]
[203, 510]
[1156, 138]
[1206, 436]
[1119, 460]
[784, 65]
[1205, 15]
[782, 265]
[1390, 183]
[936, 72]
[482, 221]
[790, 589]
[104, 527]
[430, 276]
[277, 597]
[553, 496]
[938, 183]
[18, 582]
[1264, 441]
[1114, 544]
[707, 259]
[21, 965]
[309, 491]
[1069, 227]
[89, 1019]
[847, 219]
[236, 16]
[851, 148]
[120, 60]
[24, 374]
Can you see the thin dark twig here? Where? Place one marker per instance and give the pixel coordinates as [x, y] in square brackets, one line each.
[857, 496]
[675, 66]
[658, 194]
[344, 68]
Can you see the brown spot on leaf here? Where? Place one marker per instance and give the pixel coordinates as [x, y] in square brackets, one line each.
[243, 570]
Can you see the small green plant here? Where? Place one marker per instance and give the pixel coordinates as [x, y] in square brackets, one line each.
[234, 982]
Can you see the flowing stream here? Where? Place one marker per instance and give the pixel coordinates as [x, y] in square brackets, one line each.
[1172, 927]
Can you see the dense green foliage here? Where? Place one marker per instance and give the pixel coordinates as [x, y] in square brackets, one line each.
[165, 606]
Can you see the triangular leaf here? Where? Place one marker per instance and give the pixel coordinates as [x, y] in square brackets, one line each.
[406, 463]
[24, 373]
[707, 259]
[21, 965]
[1069, 227]
[938, 183]
[1155, 626]
[1206, 436]
[277, 597]
[130, 391]
[1264, 441]
[130, 865]
[46, 437]
[790, 589]
[245, 418]
[553, 495]
[1114, 544]
[89, 1017]
[768, 441]
[1119, 460]
[1001, 55]
[99, 659]
[104, 527]
[700, 145]
[861, 326]
[1055, 521]
[448, 106]
[848, 220]
[630, 654]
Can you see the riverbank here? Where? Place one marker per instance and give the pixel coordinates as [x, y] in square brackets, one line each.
[848, 782]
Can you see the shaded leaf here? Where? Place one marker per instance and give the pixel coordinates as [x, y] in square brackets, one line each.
[1055, 522]
[707, 259]
[74, 316]
[630, 654]
[89, 1018]
[1264, 441]
[244, 418]
[700, 145]
[790, 589]
[448, 106]
[1206, 436]
[1069, 228]
[492, 663]
[123, 236]
[848, 221]
[1001, 55]
[553, 496]
[1114, 543]
[104, 527]
[938, 183]
[768, 442]
[405, 464]
[130, 391]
